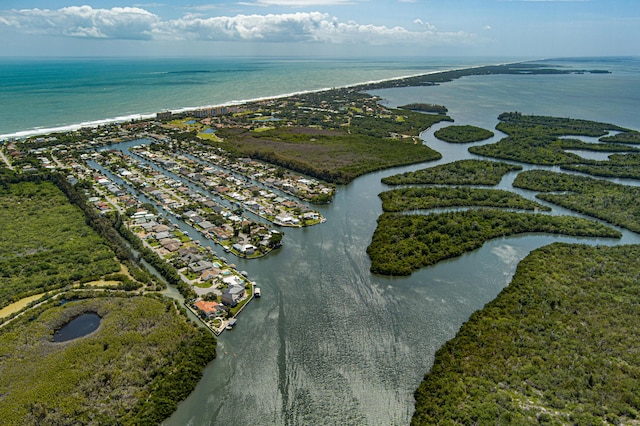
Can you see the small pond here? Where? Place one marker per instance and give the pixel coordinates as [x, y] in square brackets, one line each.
[78, 327]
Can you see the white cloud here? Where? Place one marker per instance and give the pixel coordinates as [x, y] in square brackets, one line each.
[430, 28]
[83, 21]
[298, 3]
[285, 27]
[137, 23]
[487, 28]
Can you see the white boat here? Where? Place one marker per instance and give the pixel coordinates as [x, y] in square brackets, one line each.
[231, 323]
[256, 292]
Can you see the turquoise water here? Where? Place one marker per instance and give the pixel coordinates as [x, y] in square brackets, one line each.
[37, 96]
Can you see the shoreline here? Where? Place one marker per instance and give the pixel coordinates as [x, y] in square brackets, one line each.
[22, 134]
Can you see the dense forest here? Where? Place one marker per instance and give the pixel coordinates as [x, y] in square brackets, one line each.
[631, 137]
[515, 123]
[463, 172]
[556, 347]
[403, 243]
[614, 203]
[538, 140]
[462, 134]
[416, 198]
[45, 242]
[423, 107]
[618, 166]
[143, 359]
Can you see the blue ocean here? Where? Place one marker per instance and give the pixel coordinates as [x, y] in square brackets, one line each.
[43, 95]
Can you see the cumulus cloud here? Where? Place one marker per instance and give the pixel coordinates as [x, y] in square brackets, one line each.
[137, 23]
[83, 21]
[285, 27]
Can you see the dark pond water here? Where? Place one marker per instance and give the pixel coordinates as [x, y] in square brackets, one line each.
[78, 327]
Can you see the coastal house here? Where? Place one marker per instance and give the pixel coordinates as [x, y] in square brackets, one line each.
[206, 225]
[209, 309]
[200, 266]
[197, 219]
[286, 219]
[311, 216]
[246, 249]
[188, 251]
[232, 295]
[161, 228]
[162, 235]
[232, 280]
[222, 233]
[189, 214]
[209, 274]
[173, 247]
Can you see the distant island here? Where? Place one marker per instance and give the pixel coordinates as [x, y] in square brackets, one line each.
[524, 68]
[462, 134]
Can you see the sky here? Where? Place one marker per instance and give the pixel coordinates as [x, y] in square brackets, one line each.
[322, 28]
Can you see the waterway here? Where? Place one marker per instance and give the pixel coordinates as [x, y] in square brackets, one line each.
[331, 344]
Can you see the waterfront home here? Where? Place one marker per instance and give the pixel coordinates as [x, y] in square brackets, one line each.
[222, 233]
[311, 216]
[286, 219]
[232, 280]
[232, 295]
[161, 228]
[246, 249]
[209, 309]
[188, 251]
[206, 225]
[189, 214]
